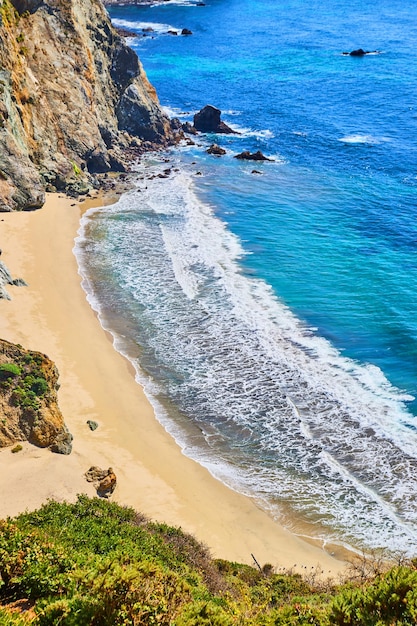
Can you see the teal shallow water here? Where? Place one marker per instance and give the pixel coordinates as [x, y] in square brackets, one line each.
[274, 315]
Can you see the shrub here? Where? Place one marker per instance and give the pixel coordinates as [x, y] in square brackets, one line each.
[9, 370]
[204, 614]
[390, 599]
[38, 385]
[25, 398]
[8, 618]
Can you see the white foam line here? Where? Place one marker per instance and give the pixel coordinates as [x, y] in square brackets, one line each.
[195, 238]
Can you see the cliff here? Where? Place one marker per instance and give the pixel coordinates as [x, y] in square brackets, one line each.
[28, 400]
[74, 100]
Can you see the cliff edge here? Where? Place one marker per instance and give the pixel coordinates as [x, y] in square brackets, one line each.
[74, 100]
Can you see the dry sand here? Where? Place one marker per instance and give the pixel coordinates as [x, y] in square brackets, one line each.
[52, 315]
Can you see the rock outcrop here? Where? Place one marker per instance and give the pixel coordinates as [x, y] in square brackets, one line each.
[28, 400]
[74, 100]
[360, 52]
[208, 121]
[252, 156]
[215, 149]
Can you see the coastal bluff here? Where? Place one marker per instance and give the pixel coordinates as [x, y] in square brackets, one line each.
[74, 100]
[28, 400]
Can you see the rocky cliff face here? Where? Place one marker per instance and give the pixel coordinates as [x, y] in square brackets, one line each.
[28, 400]
[74, 99]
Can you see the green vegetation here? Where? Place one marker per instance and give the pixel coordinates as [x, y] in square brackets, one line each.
[25, 380]
[76, 169]
[9, 370]
[94, 562]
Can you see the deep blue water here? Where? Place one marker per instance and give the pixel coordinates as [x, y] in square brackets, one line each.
[273, 315]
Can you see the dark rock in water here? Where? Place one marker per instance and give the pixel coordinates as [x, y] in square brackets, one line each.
[252, 156]
[185, 31]
[172, 32]
[360, 52]
[256, 172]
[92, 424]
[215, 149]
[104, 480]
[208, 121]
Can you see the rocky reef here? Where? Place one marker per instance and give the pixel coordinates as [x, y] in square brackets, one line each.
[28, 400]
[74, 100]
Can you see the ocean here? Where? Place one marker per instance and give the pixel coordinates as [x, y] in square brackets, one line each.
[270, 308]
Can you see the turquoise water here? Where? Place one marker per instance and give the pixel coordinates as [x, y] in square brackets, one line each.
[272, 315]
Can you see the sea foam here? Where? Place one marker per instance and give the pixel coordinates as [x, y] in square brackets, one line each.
[280, 414]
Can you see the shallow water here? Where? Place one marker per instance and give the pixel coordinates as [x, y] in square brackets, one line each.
[273, 314]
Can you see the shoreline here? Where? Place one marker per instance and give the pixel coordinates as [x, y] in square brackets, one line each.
[52, 315]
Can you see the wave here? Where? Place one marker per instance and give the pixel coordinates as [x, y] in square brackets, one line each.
[136, 26]
[280, 414]
[366, 139]
[183, 3]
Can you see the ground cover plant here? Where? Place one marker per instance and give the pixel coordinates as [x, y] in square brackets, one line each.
[95, 562]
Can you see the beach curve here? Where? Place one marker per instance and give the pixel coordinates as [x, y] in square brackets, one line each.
[53, 316]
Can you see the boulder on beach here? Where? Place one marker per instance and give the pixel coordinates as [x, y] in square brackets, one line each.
[252, 156]
[104, 480]
[208, 121]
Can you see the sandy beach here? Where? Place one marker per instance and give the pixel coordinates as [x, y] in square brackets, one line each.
[53, 316]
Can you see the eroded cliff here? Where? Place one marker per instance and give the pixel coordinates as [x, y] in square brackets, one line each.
[74, 100]
[28, 400]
